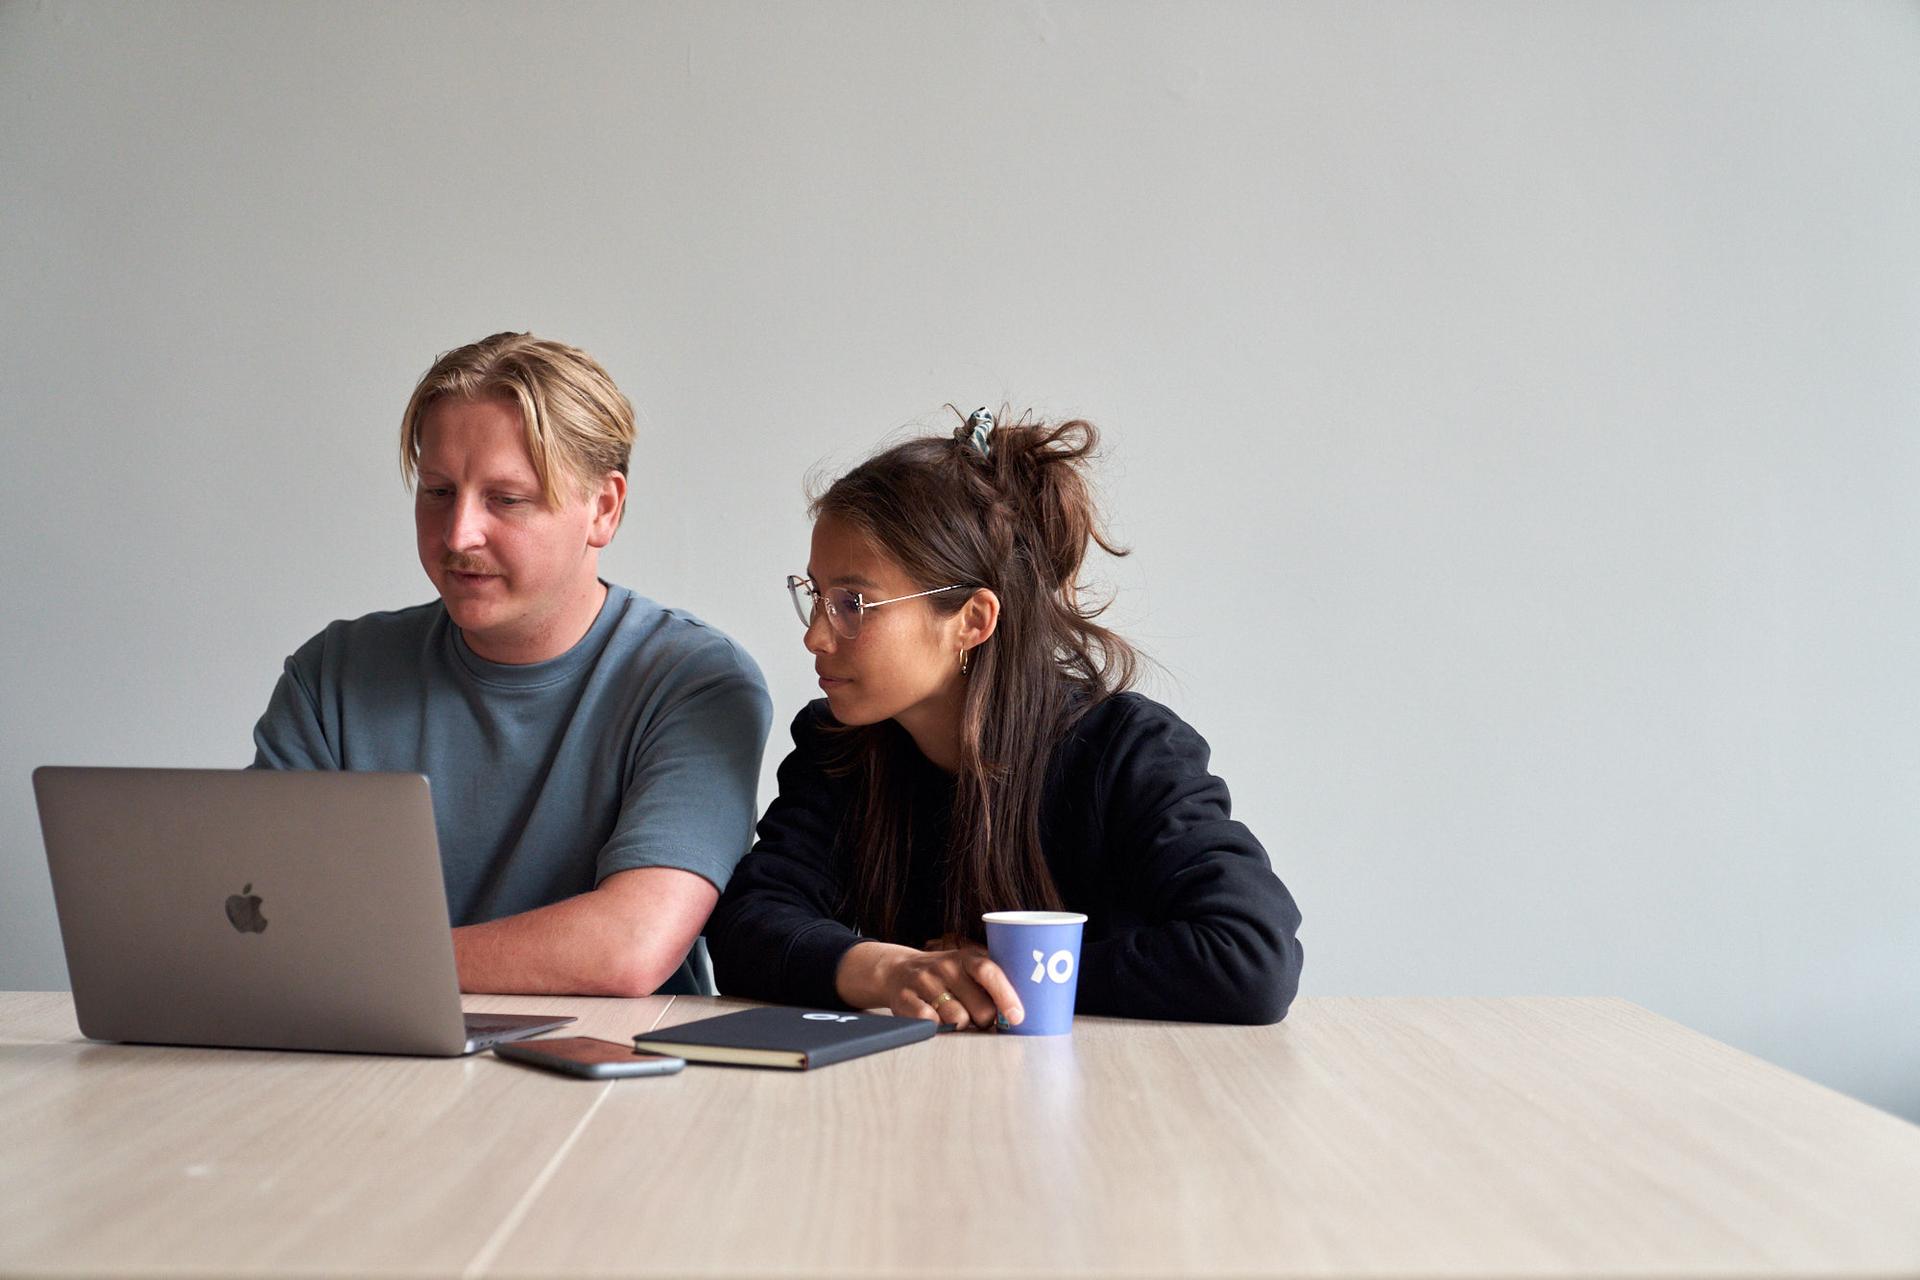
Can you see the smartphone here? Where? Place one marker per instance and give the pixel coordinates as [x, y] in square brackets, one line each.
[589, 1058]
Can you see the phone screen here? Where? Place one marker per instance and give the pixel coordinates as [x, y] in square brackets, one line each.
[588, 1051]
[589, 1057]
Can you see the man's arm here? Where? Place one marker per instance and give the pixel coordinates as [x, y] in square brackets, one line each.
[685, 820]
[623, 938]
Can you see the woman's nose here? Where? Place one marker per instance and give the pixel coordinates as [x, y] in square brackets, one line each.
[820, 637]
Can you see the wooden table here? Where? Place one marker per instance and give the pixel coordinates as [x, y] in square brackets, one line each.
[1406, 1137]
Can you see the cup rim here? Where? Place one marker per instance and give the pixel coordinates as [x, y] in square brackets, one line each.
[1034, 917]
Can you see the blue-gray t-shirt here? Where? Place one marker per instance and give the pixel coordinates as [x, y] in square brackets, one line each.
[638, 747]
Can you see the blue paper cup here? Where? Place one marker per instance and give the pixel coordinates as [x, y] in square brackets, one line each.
[1039, 951]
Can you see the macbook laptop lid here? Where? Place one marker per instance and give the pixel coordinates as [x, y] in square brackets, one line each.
[258, 909]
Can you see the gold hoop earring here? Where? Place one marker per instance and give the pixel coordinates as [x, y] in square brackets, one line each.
[965, 655]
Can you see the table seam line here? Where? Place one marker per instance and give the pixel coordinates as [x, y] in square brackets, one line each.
[490, 1251]
[498, 1240]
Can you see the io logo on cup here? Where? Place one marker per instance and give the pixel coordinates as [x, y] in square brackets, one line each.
[1040, 952]
[1057, 967]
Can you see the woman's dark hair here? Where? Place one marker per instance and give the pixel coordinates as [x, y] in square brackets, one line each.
[1016, 519]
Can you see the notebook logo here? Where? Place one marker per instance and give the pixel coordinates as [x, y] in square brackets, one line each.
[243, 911]
[814, 1017]
[1057, 967]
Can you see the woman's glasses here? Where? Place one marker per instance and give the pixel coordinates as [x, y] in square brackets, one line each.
[844, 608]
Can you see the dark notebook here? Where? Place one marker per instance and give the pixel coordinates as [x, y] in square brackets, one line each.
[778, 1037]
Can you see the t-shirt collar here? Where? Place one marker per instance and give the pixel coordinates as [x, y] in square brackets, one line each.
[532, 675]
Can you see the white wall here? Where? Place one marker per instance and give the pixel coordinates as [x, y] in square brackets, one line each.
[1513, 406]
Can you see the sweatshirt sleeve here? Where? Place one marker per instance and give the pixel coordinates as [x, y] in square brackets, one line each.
[776, 934]
[1220, 940]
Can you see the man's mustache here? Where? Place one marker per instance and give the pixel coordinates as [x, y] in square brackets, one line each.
[456, 563]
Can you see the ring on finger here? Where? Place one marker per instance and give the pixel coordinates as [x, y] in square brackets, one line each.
[942, 998]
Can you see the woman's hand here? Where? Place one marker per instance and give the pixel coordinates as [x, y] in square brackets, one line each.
[960, 986]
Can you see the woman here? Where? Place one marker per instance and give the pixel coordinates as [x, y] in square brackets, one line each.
[976, 751]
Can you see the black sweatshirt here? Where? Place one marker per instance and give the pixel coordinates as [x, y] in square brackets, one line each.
[1185, 918]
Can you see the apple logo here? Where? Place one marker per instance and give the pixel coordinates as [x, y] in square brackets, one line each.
[244, 912]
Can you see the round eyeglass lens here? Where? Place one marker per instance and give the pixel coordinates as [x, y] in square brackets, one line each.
[843, 612]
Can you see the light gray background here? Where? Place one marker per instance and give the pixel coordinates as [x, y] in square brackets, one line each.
[1513, 408]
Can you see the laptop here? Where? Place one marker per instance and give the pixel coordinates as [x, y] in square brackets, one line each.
[259, 909]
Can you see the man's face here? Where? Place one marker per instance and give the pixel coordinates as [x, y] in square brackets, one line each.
[517, 574]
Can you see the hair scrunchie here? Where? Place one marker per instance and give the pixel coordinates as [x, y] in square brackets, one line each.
[976, 430]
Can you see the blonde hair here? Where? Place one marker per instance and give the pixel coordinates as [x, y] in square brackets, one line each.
[578, 423]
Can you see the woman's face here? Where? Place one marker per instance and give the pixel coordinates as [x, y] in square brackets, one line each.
[905, 663]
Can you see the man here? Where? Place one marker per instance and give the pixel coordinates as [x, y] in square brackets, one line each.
[593, 755]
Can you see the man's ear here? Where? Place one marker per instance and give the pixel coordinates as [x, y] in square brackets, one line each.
[979, 616]
[609, 503]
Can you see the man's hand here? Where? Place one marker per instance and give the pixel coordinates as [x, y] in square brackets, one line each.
[624, 938]
[961, 986]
